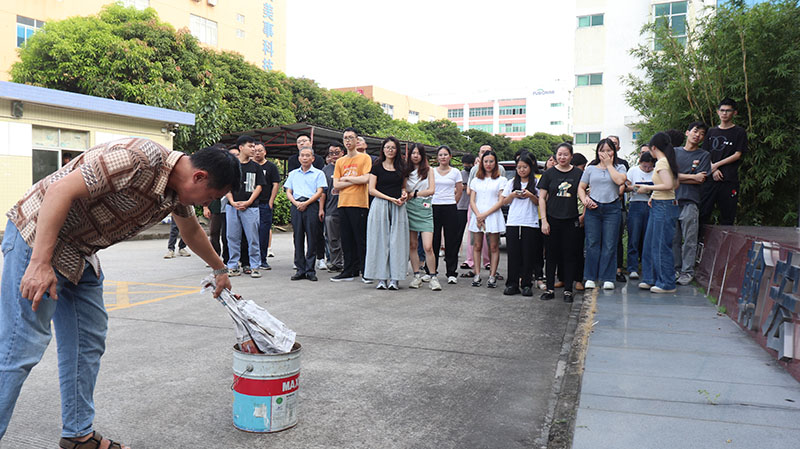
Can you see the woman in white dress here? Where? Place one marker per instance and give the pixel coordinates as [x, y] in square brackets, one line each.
[486, 198]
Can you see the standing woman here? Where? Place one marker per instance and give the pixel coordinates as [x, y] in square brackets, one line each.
[558, 193]
[420, 185]
[521, 227]
[658, 269]
[387, 223]
[449, 188]
[486, 199]
[603, 214]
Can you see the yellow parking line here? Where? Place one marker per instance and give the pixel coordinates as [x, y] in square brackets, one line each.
[192, 287]
[146, 292]
[150, 301]
[122, 294]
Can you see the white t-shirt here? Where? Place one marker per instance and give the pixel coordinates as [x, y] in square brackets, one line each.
[637, 176]
[414, 183]
[445, 186]
[521, 211]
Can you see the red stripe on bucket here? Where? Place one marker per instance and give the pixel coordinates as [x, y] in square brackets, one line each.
[265, 387]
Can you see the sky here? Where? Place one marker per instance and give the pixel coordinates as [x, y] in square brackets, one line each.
[431, 49]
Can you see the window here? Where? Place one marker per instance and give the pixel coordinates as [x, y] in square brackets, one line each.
[240, 18]
[590, 21]
[512, 128]
[55, 147]
[556, 123]
[413, 117]
[25, 29]
[588, 138]
[388, 109]
[240, 33]
[455, 113]
[594, 79]
[672, 15]
[481, 112]
[203, 29]
[138, 4]
[512, 110]
[485, 128]
[556, 105]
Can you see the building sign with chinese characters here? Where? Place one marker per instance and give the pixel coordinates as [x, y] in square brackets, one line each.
[268, 19]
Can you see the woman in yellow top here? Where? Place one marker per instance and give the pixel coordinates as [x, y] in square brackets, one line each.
[658, 266]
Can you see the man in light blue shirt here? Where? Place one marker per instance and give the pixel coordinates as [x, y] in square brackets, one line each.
[305, 190]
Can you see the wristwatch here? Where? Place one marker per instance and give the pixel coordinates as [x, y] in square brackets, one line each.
[220, 271]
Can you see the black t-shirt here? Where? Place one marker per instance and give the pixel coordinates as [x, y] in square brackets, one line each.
[294, 162]
[271, 175]
[721, 143]
[252, 176]
[389, 183]
[562, 192]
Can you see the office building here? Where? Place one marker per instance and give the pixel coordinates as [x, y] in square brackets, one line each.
[399, 106]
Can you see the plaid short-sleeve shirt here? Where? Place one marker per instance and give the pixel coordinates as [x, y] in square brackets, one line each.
[127, 183]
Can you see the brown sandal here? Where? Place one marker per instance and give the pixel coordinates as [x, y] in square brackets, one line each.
[92, 443]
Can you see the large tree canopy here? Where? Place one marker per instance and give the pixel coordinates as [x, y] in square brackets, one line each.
[750, 54]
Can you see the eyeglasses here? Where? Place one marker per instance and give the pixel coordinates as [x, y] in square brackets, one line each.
[350, 138]
[334, 153]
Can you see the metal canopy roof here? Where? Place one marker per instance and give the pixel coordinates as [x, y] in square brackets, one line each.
[280, 141]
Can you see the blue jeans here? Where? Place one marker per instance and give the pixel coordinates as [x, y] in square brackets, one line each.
[264, 226]
[80, 322]
[658, 267]
[602, 231]
[638, 211]
[236, 221]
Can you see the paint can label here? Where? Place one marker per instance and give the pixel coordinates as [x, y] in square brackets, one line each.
[265, 405]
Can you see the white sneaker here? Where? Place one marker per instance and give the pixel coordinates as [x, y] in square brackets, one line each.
[655, 289]
[381, 285]
[608, 285]
[452, 280]
[441, 253]
[170, 255]
[270, 253]
[590, 284]
[426, 278]
[644, 285]
[416, 282]
[321, 265]
[183, 253]
[393, 285]
[634, 275]
[435, 285]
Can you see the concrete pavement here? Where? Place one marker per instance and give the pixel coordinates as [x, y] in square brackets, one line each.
[464, 367]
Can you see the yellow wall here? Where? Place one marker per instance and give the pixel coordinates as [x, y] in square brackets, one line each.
[402, 103]
[175, 12]
[16, 170]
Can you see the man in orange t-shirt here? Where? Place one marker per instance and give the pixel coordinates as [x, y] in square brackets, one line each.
[350, 178]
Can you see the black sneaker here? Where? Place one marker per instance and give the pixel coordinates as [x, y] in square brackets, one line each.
[298, 276]
[342, 277]
[621, 277]
[311, 277]
[527, 291]
[548, 295]
[568, 297]
[511, 290]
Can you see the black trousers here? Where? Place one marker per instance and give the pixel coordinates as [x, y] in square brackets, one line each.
[561, 251]
[462, 225]
[214, 228]
[622, 227]
[306, 227]
[521, 251]
[353, 225]
[580, 256]
[723, 194]
[538, 254]
[445, 217]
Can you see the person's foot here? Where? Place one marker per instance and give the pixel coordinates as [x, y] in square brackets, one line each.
[333, 268]
[416, 282]
[311, 277]
[511, 290]
[270, 253]
[393, 285]
[685, 279]
[621, 277]
[452, 280]
[183, 253]
[265, 266]
[342, 277]
[255, 274]
[170, 254]
[541, 285]
[644, 285]
[634, 275]
[579, 286]
[97, 441]
[476, 281]
[321, 265]
[608, 285]
[234, 272]
[499, 277]
[655, 289]
[465, 266]
[298, 276]
[590, 284]
[559, 284]
[426, 278]
[366, 280]
[381, 285]
[492, 282]
[441, 252]
[527, 291]
[548, 295]
[487, 266]
[568, 297]
[435, 285]
[246, 270]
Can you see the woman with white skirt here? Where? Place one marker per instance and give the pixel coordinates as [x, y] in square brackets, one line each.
[387, 222]
[486, 198]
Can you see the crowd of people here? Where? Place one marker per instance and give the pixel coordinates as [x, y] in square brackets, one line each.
[368, 218]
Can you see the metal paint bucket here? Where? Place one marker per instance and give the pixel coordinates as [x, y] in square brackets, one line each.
[265, 388]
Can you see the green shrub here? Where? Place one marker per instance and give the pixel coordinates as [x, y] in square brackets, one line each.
[281, 213]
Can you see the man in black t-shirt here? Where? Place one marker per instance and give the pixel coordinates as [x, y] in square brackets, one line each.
[242, 212]
[266, 201]
[726, 143]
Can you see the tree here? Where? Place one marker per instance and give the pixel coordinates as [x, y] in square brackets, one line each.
[748, 53]
[541, 145]
[445, 132]
[500, 144]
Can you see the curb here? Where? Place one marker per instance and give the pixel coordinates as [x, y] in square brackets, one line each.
[561, 429]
